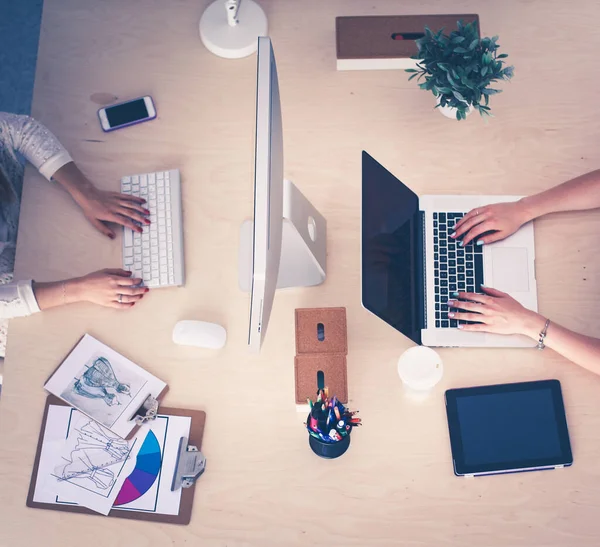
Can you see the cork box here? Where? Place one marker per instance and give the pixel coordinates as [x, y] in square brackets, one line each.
[321, 350]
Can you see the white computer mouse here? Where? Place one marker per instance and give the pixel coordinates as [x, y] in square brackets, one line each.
[199, 334]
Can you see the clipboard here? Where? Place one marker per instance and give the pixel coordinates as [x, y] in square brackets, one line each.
[198, 419]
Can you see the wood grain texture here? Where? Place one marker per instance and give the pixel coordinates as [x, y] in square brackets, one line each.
[263, 486]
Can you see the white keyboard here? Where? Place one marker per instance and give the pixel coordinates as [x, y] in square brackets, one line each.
[156, 255]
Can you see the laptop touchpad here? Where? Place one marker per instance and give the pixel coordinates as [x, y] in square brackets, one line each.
[510, 269]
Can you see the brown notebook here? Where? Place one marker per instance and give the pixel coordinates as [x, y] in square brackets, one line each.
[387, 41]
[321, 349]
[187, 494]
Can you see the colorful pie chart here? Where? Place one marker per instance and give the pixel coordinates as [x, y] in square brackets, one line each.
[147, 468]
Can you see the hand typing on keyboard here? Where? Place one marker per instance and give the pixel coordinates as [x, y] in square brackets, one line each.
[100, 206]
[491, 223]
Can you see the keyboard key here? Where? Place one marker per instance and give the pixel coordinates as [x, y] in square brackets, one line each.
[478, 249]
[444, 291]
[128, 237]
[445, 324]
[437, 324]
[437, 306]
[442, 217]
[443, 267]
[460, 269]
[443, 276]
[478, 272]
[469, 273]
[452, 271]
[452, 287]
[435, 224]
[435, 215]
[453, 323]
[452, 263]
[437, 315]
[469, 265]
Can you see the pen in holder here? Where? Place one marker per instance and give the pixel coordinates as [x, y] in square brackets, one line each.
[329, 425]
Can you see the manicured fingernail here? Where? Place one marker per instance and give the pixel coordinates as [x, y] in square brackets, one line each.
[146, 211]
[147, 221]
[450, 303]
[450, 315]
[460, 326]
[461, 244]
[146, 289]
[453, 234]
[480, 242]
[455, 294]
[112, 236]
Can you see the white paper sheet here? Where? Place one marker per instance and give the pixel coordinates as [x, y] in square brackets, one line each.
[103, 384]
[145, 488]
[89, 464]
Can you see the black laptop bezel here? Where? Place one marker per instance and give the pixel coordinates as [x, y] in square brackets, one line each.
[461, 468]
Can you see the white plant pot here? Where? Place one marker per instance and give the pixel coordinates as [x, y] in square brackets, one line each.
[450, 111]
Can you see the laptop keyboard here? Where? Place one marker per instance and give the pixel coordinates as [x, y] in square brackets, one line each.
[456, 268]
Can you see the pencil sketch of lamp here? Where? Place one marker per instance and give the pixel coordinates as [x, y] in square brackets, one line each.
[97, 380]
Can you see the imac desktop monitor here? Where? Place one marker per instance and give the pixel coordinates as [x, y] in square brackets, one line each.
[268, 194]
[285, 246]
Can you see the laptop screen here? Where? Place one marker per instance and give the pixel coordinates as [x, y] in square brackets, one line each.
[390, 228]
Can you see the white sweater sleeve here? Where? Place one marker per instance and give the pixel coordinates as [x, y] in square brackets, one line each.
[17, 300]
[35, 142]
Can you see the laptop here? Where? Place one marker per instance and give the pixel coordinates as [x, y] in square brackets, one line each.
[411, 266]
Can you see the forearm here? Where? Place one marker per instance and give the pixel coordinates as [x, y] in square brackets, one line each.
[577, 194]
[73, 181]
[57, 293]
[578, 348]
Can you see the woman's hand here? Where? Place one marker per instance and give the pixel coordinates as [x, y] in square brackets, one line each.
[500, 220]
[100, 207]
[111, 288]
[495, 312]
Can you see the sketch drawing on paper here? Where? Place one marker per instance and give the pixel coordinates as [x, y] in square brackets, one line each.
[103, 388]
[99, 382]
[96, 459]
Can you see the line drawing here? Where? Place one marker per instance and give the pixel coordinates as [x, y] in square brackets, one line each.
[96, 460]
[100, 382]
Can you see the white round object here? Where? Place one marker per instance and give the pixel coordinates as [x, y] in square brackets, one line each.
[420, 368]
[232, 42]
[450, 111]
[199, 334]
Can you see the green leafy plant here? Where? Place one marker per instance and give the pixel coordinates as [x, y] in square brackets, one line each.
[460, 67]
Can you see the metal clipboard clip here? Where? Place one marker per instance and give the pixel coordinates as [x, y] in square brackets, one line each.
[190, 464]
[147, 411]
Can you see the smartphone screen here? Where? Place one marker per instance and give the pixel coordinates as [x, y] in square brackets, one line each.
[126, 113]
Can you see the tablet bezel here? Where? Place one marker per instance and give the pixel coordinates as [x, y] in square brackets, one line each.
[461, 469]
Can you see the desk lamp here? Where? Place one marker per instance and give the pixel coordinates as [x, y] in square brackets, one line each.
[230, 28]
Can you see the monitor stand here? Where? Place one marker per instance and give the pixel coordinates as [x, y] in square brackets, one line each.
[303, 244]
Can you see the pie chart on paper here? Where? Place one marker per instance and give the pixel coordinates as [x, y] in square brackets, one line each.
[145, 473]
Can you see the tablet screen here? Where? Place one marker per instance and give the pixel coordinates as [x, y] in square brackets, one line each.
[508, 427]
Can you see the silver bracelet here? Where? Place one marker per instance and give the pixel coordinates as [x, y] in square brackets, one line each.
[541, 344]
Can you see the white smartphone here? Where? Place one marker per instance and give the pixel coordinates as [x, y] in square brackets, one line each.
[131, 112]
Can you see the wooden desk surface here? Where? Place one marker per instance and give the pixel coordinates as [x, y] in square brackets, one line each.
[263, 486]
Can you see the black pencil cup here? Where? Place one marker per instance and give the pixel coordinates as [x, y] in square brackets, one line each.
[328, 450]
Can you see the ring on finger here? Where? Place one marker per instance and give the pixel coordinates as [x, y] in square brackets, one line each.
[120, 298]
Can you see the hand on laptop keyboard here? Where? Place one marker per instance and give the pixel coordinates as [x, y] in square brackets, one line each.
[491, 223]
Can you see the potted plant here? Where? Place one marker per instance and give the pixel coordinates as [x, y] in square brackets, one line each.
[459, 68]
